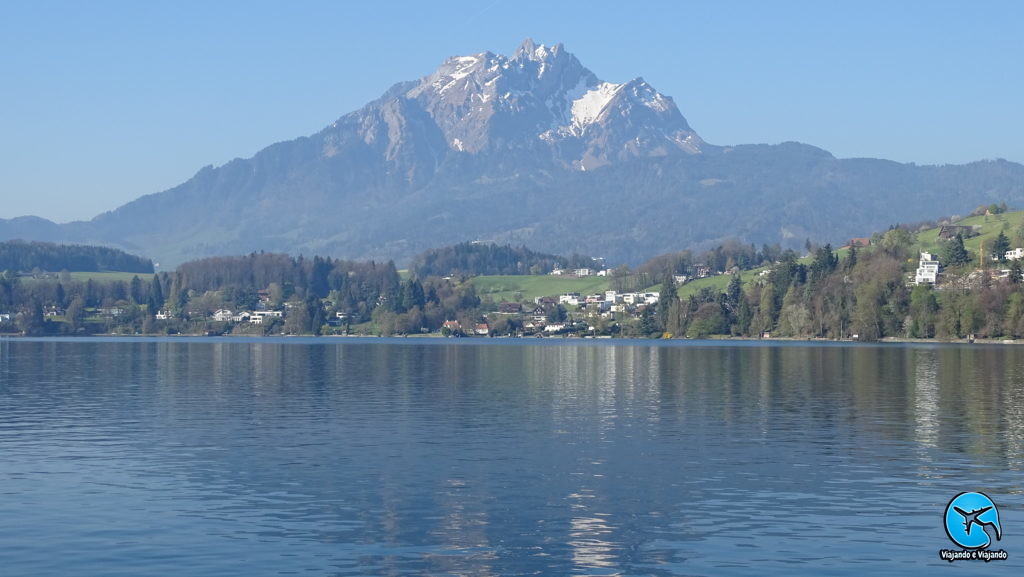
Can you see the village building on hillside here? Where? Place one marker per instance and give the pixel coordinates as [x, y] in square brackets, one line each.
[927, 269]
[222, 315]
[949, 231]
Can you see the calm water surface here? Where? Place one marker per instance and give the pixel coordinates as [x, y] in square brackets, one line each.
[440, 457]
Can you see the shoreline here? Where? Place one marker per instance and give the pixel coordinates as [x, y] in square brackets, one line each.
[715, 338]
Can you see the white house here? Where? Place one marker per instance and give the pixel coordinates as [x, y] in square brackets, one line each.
[927, 269]
[569, 299]
[1015, 254]
[257, 317]
[222, 315]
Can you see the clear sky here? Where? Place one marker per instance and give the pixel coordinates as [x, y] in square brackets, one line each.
[104, 101]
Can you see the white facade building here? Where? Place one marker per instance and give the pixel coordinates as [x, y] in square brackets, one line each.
[569, 299]
[927, 269]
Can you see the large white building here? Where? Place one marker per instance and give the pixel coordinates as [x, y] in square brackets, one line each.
[927, 269]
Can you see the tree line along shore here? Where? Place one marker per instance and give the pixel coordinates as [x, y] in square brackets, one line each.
[865, 291]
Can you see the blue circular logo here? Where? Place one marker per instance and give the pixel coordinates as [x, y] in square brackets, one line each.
[967, 517]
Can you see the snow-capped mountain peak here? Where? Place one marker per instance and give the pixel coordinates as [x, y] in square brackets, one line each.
[540, 98]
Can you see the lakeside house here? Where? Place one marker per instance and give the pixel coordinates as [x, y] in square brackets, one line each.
[259, 317]
[223, 315]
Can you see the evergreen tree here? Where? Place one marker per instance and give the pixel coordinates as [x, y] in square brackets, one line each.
[954, 252]
[135, 291]
[743, 317]
[412, 296]
[648, 322]
[667, 299]
[156, 296]
[1000, 247]
[851, 258]
[1016, 271]
[734, 292]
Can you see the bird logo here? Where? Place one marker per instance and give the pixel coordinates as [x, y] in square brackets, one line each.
[968, 519]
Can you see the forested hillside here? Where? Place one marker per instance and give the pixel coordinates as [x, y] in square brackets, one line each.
[21, 256]
[479, 258]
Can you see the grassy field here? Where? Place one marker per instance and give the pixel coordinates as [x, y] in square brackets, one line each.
[100, 277]
[718, 283]
[110, 276]
[527, 288]
[991, 225]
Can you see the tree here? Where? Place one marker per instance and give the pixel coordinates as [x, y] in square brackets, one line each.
[923, 307]
[556, 314]
[954, 253]
[156, 295]
[743, 317]
[412, 296]
[667, 299]
[867, 312]
[794, 318]
[897, 241]
[734, 292]
[1016, 271]
[1013, 319]
[135, 290]
[764, 319]
[707, 320]
[30, 321]
[851, 258]
[299, 320]
[648, 322]
[1000, 247]
[825, 261]
[75, 313]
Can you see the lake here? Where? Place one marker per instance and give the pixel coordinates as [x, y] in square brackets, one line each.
[327, 456]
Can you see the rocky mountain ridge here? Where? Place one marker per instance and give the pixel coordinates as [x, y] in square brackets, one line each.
[532, 149]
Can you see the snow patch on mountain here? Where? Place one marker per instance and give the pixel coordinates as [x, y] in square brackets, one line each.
[589, 107]
[645, 94]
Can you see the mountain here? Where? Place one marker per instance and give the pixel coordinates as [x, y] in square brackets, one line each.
[529, 149]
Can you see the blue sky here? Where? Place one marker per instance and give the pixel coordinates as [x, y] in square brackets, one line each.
[105, 101]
